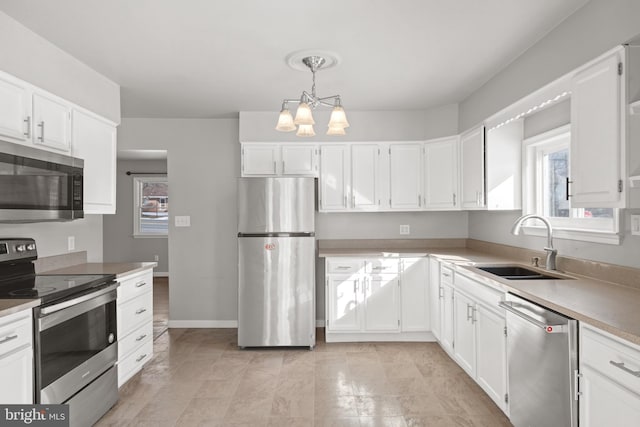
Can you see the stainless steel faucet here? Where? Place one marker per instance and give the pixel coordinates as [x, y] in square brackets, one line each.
[551, 252]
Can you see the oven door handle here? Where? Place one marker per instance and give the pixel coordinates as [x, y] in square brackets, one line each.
[58, 313]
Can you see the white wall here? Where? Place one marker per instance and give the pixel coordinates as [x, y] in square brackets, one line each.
[119, 243]
[32, 58]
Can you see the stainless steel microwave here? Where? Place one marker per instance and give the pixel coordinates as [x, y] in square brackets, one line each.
[38, 185]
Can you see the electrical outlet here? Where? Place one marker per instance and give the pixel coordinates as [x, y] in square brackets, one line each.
[183, 221]
[156, 257]
[405, 229]
[71, 243]
[635, 225]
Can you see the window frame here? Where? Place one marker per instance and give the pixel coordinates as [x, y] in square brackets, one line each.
[138, 182]
[584, 229]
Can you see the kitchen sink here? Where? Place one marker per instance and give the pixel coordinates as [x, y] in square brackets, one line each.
[515, 272]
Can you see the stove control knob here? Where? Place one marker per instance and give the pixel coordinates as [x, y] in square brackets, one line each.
[31, 247]
[21, 248]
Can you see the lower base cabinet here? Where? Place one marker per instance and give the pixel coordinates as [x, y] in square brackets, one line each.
[609, 380]
[16, 358]
[135, 323]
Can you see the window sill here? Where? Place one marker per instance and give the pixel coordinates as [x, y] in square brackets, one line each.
[150, 236]
[606, 237]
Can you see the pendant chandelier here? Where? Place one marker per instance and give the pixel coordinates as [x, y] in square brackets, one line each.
[303, 121]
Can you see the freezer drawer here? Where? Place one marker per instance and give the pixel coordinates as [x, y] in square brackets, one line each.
[276, 291]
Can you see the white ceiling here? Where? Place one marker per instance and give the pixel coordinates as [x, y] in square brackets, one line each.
[214, 58]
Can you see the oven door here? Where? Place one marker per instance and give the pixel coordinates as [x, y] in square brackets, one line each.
[75, 343]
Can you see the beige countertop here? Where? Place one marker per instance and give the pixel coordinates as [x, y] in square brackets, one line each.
[609, 306]
[120, 269]
[10, 306]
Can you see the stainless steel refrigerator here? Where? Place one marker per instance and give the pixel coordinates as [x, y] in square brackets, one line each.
[276, 262]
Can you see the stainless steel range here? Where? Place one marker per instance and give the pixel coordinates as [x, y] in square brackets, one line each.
[75, 339]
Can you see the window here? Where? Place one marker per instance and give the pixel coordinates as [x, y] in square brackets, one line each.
[150, 206]
[547, 160]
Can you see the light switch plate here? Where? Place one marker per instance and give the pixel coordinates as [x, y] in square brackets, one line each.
[405, 229]
[183, 221]
[71, 243]
[635, 225]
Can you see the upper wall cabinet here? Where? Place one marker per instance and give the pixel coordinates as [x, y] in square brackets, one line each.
[598, 137]
[51, 122]
[366, 194]
[503, 171]
[334, 178]
[405, 173]
[94, 140]
[260, 159]
[441, 174]
[15, 109]
[472, 168]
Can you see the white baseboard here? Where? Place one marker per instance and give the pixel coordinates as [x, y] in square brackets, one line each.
[160, 274]
[203, 323]
[379, 337]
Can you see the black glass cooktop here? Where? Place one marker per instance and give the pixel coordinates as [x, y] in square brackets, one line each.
[50, 288]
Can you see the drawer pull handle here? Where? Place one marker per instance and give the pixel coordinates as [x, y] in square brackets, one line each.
[343, 267]
[86, 374]
[142, 356]
[620, 365]
[379, 267]
[141, 310]
[140, 284]
[141, 337]
[8, 338]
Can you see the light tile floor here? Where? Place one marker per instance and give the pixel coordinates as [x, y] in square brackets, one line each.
[199, 377]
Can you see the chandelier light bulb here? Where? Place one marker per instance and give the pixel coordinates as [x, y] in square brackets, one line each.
[336, 131]
[338, 118]
[303, 115]
[285, 121]
[305, 130]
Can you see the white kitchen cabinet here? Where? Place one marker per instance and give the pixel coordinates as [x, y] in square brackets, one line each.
[435, 296]
[51, 122]
[15, 109]
[299, 160]
[609, 384]
[446, 308]
[491, 354]
[464, 336]
[365, 177]
[343, 303]
[135, 323]
[16, 358]
[472, 168]
[334, 177]
[381, 296]
[441, 174]
[598, 141]
[260, 159]
[503, 167]
[416, 310]
[405, 174]
[94, 140]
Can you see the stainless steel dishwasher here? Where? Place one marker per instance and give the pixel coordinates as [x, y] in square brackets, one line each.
[543, 361]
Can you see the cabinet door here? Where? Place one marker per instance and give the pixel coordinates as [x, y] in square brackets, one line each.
[51, 125]
[299, 160]
[405, 175]
[472, 168]
[596, 135]
[343, 303]
[334, 176]
[446, 322]
[464, 336]
[16, 376]
[260, 160]
[365, 192]
[435, 297]
[441, 174]
[382, 303]
[414, 287]
[95, 141]
[15, 109]
[491, 354]
[605, 403]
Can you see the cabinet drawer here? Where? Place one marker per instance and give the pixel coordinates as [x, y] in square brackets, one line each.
[344, 265]
[446, 275]
[382, 266]
[481, 293]
[134, 285]
[15, 331]
[132, 363]
[135, 339]
[613, 358]
[134, 313]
